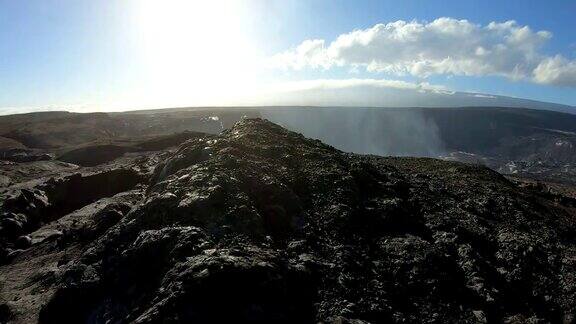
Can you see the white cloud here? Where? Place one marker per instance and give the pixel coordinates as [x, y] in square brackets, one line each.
[556, 70]
[310, 53]
[345, 92]
[480, 95]
[351, 83]
[443, 46]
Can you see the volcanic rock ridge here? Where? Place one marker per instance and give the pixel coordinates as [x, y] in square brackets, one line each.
[260, 224]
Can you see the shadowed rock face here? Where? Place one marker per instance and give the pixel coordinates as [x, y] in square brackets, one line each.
[94, 155]
[28, 208]
[260, 224]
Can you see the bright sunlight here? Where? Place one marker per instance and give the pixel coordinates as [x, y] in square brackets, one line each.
[195, 51]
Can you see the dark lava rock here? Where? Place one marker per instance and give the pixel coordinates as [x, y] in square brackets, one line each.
[13, 225]
[23, 155]
[27, 208]
[5, 313]
[94, 155]
[260, 224]
[23, 242]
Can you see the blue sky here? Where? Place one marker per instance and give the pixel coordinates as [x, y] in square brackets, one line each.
[124, 54]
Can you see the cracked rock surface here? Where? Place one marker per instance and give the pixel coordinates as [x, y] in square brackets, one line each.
[259, 224]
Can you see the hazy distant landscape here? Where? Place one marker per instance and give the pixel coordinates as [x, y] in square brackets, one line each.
[534, 143]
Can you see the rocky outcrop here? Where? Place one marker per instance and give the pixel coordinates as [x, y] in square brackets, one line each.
[31, 206]
[23, 155]
[260, 224]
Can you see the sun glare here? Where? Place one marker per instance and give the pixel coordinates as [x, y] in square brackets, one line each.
[194, 51]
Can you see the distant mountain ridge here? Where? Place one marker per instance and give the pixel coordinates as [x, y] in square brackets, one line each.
[331, 95]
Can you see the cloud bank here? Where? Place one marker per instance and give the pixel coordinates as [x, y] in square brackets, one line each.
[445, 46]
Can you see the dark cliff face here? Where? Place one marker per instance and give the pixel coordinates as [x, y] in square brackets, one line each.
[260, 224]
